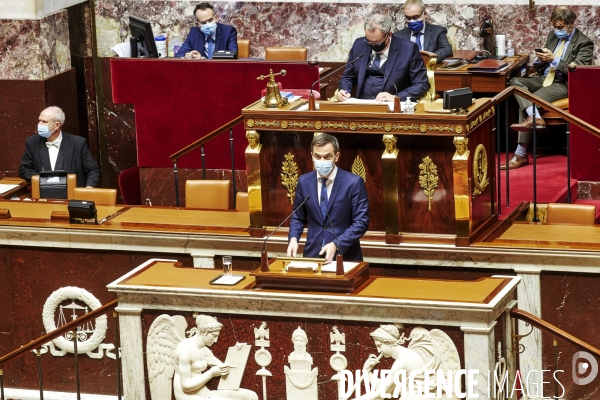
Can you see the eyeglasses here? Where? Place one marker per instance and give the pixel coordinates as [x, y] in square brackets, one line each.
[413, 18]
[377, 43]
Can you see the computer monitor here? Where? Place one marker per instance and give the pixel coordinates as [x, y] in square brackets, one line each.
[142, 39]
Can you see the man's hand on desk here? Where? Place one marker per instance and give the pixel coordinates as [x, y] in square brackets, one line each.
[343, 95]
[292, 248]
[385, 96]
[329, 251]
[194, 55]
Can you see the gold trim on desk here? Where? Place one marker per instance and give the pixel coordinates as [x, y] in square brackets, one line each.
[462, 198]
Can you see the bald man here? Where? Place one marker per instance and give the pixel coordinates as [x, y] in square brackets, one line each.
[54, 150]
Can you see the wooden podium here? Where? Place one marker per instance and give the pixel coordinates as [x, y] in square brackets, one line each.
[279, 274]
[430, 177]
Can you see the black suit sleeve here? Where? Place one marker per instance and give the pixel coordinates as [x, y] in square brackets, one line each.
[27, 168]
[443, 47]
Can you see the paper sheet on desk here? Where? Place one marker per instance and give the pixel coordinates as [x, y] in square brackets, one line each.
[352, 100]
[5, 188]
[348, 265]
[122, 49]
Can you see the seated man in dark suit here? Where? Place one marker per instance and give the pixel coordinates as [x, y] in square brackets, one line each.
[211, 36]
[428, 37]
[565, 45]
[338, 200]
[52, 150]
[390, 65]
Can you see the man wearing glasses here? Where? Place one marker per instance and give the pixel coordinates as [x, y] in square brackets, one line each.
[565, 45]
[337, 212]
[211, 36]
[390, 66]
[428, 37]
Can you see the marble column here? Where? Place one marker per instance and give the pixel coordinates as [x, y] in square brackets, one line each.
[479, 355]
[511, 354]
[132, 352]
[530, 300]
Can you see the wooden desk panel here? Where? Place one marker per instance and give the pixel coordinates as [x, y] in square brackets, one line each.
[552, 233]
[183, 217]
[40, 210]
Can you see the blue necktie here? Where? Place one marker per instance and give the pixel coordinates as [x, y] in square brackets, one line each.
[377, 61]
[324, 205]
[211, 46]
[324, 198]
[418, 41]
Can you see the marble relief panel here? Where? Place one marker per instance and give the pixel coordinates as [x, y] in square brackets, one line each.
[328, 29]
[34, 49]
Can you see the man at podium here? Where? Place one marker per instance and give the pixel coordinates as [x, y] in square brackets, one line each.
[388, 67]
[337, 212]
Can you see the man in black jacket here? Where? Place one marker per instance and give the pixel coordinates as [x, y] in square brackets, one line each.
[52, 149]
[428, 37]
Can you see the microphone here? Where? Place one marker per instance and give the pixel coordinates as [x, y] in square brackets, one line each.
[311, 97]
[339, 268]
[396, 98]
[264, 260]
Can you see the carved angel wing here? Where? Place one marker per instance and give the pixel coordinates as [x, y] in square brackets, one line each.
[449, 358]
[164, 335]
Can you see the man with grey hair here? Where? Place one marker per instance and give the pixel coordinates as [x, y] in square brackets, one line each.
[51, 149]
[428, 37]
[565, 45]
[389, 66]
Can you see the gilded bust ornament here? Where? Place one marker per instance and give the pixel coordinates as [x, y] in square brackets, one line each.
[253, 140]
[390, 144]
[461, 143]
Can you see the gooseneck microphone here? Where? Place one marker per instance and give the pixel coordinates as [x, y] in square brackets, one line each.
[332, 228]
[264, 261]
[396, 98]
[311, 97]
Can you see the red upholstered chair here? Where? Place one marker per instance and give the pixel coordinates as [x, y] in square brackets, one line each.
[129, 184]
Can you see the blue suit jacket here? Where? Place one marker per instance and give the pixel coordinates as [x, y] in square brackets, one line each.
[348, 210]
[434, 40]
[404, 66]
[226, 39]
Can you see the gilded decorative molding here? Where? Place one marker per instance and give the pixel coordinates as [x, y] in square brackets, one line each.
[428, 178]
[253, 140]
[480, 169]
[353, 126]
[289, 176]
[462, 144]
[482, 117]
[358, 168]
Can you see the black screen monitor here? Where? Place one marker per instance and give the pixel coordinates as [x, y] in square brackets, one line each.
[142, 39]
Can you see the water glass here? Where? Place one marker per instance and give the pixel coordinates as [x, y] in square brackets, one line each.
[227, 266]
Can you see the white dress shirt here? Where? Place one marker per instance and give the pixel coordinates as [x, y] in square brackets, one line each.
[53, 151]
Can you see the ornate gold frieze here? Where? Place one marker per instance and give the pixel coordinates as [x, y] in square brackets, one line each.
[480, 169]
[358, 168]
[289, 176]
[428, 178]
[353, 126]
[482, 117]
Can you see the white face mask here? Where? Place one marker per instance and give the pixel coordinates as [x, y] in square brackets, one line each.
[44, 131]
[324, 167]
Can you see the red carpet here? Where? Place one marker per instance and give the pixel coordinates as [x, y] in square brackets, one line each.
[551, 183]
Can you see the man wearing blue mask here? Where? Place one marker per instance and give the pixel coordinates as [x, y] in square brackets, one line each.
[211, 36]
[337, 212]
[565, 45]
[428, 37]
[384, 66]
[51, 149]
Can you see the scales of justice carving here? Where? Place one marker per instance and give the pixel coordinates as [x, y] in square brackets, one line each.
[182, 360]
[182, 363]
[73, 302]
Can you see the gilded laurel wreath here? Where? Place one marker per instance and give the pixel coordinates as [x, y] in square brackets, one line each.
[358, 168]
[480, 167]
[289, 176]
[428, 178]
